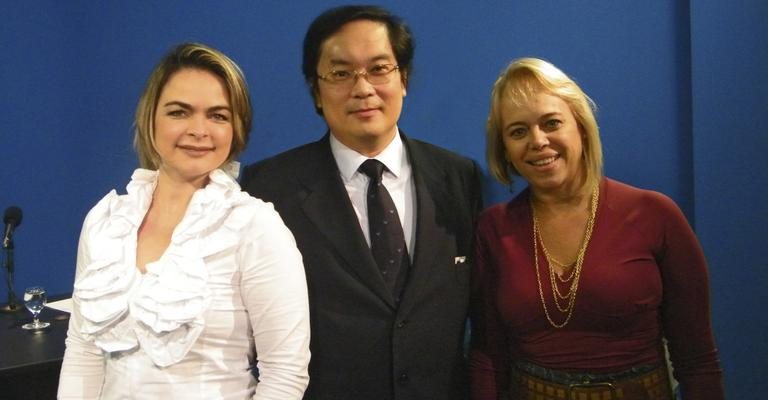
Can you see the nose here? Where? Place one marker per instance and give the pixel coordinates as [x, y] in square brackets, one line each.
[539, 138]
[360, 85]
[197, 127]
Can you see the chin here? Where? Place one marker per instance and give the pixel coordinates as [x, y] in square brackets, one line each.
[547, 184]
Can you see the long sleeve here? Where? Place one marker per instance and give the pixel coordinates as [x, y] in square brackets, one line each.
[230, 284]
[274, 291]
[82, 371]
[488, 355]
[686, 308]
[651, 282]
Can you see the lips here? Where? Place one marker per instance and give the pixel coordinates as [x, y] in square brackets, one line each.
[365, 112]
[196, 150]
[544, 161]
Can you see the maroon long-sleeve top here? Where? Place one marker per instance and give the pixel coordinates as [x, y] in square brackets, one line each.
[644, 277]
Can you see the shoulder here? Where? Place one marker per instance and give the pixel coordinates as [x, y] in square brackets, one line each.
[512, 212]
[647, 211]
[103, 208]
[445, 157]
[255, 210]
[620, 195]
[285, 163]
[222, 216]
[256, 225]
[453, 180]
[492, 214]
[284, 173]
[224, 195]
[119, 211]
[445, 169]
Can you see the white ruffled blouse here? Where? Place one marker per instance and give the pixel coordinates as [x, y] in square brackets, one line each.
[230, 284]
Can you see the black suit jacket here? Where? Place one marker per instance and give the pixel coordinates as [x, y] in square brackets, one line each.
[366, 346]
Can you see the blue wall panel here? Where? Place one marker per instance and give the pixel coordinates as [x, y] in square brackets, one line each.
[730, 140]
[681, 95]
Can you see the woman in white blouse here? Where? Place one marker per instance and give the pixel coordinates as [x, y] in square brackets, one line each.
[186, 287]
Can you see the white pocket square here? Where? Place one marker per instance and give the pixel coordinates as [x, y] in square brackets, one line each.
[459, 259]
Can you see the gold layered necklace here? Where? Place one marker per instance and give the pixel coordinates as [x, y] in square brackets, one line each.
[564, 267]
[565, 302]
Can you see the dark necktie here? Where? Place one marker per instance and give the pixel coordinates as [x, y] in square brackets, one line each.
[386, 233]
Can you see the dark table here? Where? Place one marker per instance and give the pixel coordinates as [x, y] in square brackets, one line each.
[30, 361]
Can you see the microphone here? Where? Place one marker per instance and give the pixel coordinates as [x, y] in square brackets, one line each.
[12, 219]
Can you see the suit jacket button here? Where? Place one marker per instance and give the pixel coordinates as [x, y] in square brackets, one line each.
[401, 324]
[403, 378]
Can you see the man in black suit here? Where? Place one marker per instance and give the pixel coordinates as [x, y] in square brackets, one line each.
[377, 332]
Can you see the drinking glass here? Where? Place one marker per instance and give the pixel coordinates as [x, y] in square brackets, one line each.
[35, 299]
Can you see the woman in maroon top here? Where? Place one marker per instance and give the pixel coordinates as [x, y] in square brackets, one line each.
[581, 278]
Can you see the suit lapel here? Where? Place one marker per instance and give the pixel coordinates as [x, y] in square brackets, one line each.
[429, 180]
[328, 207]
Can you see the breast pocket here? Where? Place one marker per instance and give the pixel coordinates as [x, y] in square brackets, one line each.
[462, 268]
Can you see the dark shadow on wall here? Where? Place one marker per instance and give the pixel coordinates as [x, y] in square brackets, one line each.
[685, 106]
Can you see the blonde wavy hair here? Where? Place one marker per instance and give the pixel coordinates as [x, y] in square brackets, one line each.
[193, 56]
[516, 85]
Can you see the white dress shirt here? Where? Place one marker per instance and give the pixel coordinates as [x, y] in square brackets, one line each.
[229, 286]
[397, 178]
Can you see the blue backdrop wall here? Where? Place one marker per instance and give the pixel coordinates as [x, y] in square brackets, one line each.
[681, 86]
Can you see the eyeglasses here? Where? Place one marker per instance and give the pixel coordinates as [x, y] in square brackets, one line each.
[377, 74]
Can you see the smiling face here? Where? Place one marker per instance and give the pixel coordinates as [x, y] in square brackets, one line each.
[543, 142]
[193, 125]
[363, 116]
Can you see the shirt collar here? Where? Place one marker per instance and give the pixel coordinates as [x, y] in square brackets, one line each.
[348, 160]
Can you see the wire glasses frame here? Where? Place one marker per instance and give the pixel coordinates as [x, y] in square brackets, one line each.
[375, 75]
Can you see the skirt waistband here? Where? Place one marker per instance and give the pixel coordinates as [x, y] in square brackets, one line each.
[640, 383]
[568, 378]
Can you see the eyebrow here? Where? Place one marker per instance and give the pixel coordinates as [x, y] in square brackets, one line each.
[380, 57]
[543, 117]
[511, 124]
[189, 107]
[549, 115]
[177, 103]
[219, 108]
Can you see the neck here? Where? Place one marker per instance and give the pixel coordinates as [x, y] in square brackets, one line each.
[568, 198]
[369, 146]
[171, 193]
[574, 197]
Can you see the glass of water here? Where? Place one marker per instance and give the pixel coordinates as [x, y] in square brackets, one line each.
[34, 300]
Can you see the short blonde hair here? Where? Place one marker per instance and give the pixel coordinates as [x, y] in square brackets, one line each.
[192, 56]
[518, 83]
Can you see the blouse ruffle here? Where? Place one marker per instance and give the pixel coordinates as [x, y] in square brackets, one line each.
[162, 311]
